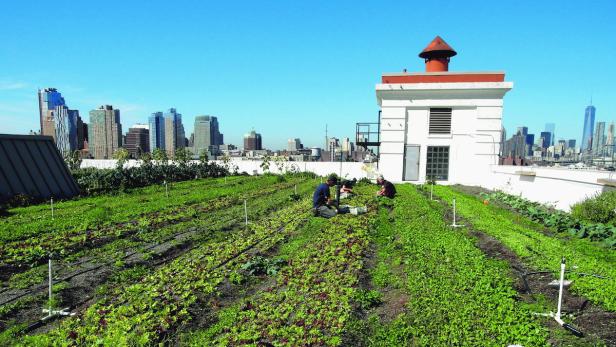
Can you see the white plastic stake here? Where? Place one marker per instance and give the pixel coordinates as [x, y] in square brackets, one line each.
[431, 190]
[295, 189]
[50, 285]
[166, 189]
[225, 179]
[50, 311]
[245, 212]
[52, 208]
[454, 216]
[560, 291]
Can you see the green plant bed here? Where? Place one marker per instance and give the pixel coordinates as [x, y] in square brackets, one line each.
[454, 294]
[564, 222]
[145, 313]
[540, 251]
[310, 303]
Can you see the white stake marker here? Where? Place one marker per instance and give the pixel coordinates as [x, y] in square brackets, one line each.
[245, 212]
[52, 208]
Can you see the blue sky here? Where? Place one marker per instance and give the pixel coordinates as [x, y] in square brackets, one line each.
[287, 68]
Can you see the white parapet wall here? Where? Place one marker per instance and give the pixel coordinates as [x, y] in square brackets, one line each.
[252, 167]
[558, 187]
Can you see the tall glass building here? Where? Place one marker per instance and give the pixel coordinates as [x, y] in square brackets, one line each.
[49, 99]
[173, 132]
[157, 131]
[551, 127]
[589, 128]
[207, 136]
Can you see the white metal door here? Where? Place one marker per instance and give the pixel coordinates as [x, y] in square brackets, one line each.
[411, 162]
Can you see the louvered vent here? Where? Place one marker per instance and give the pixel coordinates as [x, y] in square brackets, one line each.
[440, 121]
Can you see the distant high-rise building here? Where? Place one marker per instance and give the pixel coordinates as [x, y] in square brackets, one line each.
[347, 145]
[545, 139]
[207, 136]
[58, 121]
[598, 141]
[174, 132]
[516, 146]
[523, 131]
[157, 131]
[571, 143]
[104, 132]
[294, 145]
[81, 133]
[66, 126]
[503, 139]
[137, 140]
[530, 141]
[253, 141]
[49, 99]
[589, 129]
[551, 127]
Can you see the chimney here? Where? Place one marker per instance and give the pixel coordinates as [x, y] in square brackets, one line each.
[436, 55]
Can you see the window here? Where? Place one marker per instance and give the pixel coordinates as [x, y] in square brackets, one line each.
[440, 121]
[437, 164]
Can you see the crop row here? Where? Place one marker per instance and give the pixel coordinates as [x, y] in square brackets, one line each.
[84, 213]
[454, 294]
[558, 220]
[184, 235]
[543, 252]
[143, 313]
[67, 241]
[311, 301]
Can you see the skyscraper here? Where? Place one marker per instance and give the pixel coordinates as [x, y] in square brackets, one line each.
[137, 140]
[523, 131]
[589, 129]
[105, 132]
[207, 136]
[157, 131]
[598, 141]
[293, 145]
[252, 141]
[174, 132]
[530, 141]
[550, 127]
[609, 139]
[571, 143]
[49, 99]
[545, 139]
[66, 124]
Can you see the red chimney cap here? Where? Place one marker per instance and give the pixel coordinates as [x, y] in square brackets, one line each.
[438, 48]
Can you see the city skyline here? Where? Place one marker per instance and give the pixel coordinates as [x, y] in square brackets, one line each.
[278, 75]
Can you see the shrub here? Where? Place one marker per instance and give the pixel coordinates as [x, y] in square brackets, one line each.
[91, 180]
[597, 209]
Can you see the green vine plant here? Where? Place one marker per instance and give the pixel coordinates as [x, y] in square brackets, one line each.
[265, 163]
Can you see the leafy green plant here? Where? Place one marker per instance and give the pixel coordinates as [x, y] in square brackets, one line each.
[368, 298]
[527, 239]
[259, 265]
[600, 208]
[561, 221]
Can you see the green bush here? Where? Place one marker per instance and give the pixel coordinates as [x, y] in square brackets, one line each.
[91, 180]
[597, 209]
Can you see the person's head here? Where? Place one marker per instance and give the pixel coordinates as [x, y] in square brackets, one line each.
[332, 180]
[380, 179]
